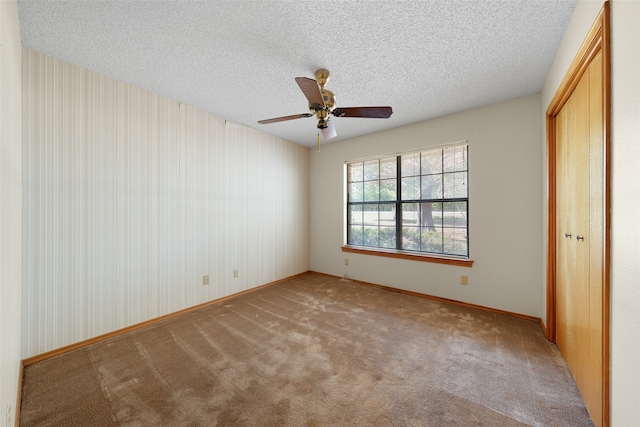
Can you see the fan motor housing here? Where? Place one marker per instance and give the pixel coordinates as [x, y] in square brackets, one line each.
[329, 100]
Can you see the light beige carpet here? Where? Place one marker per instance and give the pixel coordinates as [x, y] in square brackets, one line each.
[312, 351]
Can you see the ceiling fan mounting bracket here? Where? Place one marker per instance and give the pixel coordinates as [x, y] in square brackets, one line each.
[322, 77]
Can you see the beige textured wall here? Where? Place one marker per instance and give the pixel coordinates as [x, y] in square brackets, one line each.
[625, 231]
[625, 227]
[10, 208]
[504, 207]
[131, 198]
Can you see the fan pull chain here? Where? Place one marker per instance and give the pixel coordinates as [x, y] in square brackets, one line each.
[318, 142]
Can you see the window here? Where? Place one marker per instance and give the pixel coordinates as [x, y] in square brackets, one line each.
[411, 202]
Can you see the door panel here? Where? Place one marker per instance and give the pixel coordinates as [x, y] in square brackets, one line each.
[579, 213]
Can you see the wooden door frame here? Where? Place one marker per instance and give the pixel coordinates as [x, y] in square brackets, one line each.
[598, 40]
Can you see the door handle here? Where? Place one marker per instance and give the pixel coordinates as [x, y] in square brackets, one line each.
[567, 235]
[579, 237]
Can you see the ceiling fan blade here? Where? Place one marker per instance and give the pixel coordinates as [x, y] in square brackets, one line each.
[284, 118]
[369, 112]
[311, 90]
[330, 131]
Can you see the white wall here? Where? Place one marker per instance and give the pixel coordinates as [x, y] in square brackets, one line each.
[504, 207]
[131, 198]
[10, 208]
[625, 220]
[625, 226]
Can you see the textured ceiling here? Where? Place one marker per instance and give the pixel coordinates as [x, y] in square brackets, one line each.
[238, 59]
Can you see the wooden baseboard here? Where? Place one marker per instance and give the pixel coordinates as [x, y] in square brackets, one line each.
[545, 331]
[81, 344]
[446, 300]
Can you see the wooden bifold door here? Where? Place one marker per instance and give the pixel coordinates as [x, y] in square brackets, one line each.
[578, 320]
[579, 236]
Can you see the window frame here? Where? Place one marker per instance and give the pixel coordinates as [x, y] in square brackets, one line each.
[398, 203]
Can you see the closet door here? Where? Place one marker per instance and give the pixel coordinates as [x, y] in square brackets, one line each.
[579, 219]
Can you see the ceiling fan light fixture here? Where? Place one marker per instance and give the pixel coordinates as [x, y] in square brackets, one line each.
[330, 131]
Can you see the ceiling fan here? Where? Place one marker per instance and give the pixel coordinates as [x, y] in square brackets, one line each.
[322, 104]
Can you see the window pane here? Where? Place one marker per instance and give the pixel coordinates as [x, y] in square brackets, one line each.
[461, 158]
[461, 217]
[431, 215]
[371, 191]
[371, 237]
[388, 190]
[354, 172]
[355, 214]
[411, 238]
[371, 170]
[388, 215]
[388, 237]
[432, 240]
[388, 168]
[449, 215]
[426, 223]
[449, 160]
[410, 214]
[355, 192]
[371, 215]
[355, 235]
[455, 185]
[431, 162]
[455, 158]
[455, 241]
[411, 164]
[432, 187]
[411, 188]
[455, 214]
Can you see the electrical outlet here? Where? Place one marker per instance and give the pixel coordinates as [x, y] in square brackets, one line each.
[464, 280]
[346, 261]
[205, 280]
[235, 273]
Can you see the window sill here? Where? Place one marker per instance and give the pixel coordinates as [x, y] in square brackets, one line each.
[391, 253]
